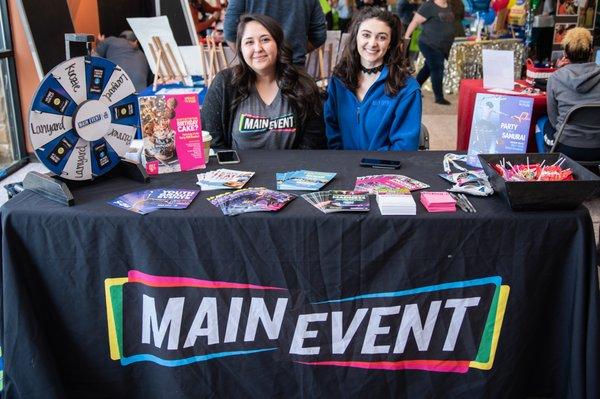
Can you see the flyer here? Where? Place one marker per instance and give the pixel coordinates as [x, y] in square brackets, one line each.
[223, 179]
[147, 201]
[339, 201]
[500, 126]
[172, 132]
[375, 183]
[303, 180]
[135, 202]
[246, 200]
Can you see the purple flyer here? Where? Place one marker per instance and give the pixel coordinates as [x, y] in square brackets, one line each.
[500, 125]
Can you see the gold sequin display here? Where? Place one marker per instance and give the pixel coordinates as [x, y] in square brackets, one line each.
[465, 61]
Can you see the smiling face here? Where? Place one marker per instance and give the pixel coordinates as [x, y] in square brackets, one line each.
[372, 42]
[259, 48]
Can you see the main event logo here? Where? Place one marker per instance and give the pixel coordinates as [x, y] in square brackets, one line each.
[259, 124]
[176, 321]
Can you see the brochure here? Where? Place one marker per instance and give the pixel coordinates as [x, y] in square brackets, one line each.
[166, 198]
[223, 179]
[246, 200]
[147, 201]
[306, 180]
[375, 183]
[135, 202]
[500, 126]
[339, 201]
[172, 133]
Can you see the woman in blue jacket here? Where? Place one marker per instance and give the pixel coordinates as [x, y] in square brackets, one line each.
[373, 103]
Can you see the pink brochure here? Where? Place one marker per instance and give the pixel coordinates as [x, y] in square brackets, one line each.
[188, 131]
[172, 132]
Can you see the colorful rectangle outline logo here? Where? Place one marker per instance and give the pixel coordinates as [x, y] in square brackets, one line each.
[113, 290]
[484, 359]
[487, 347]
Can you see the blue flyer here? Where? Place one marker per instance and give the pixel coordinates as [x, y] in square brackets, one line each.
[170, 198]
[500, 125]
[303, 180]
[147, 201]
[135, 202]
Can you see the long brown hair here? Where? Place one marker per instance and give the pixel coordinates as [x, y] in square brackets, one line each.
[295, 84]
[348, 69]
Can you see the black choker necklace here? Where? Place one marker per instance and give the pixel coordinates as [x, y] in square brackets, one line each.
[370, 71]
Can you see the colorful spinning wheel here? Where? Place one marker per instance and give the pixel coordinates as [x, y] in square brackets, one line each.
[83, 117]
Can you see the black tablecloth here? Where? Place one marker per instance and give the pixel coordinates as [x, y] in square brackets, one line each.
[492, 304]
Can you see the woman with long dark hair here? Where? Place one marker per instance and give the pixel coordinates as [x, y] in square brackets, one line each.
[373, 103]
[264, 102]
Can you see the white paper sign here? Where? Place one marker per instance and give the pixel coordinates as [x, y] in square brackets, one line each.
[145, 29]
[498, 69]
[191, 59]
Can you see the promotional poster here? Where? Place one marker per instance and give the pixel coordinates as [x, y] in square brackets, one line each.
[172, 133]
[500, 125]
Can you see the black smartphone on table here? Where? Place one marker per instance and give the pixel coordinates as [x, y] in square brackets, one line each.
[380, 163]
[227, 157]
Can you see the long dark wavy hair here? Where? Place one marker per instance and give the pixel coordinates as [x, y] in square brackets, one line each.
[348, 68]
[295, 84]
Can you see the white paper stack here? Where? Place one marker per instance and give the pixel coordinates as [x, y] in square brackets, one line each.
[396, 202]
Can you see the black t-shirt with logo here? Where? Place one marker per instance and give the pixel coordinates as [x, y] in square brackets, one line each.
[438, 30]
[264, 126]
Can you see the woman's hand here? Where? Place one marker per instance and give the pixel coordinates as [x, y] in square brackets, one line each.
[562, 62]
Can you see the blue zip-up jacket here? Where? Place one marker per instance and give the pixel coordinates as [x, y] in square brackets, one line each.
[378, 122]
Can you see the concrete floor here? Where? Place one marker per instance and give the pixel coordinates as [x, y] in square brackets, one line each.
[440, 121]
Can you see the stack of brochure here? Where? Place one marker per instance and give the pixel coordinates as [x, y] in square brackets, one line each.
[396, 202]
[306, 180]
[438, 201]
[147, 201]
[258, 199]
[374, 183]
[339, 201]
[223, 179]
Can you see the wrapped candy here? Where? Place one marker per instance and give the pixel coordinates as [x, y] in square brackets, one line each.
[534, 172]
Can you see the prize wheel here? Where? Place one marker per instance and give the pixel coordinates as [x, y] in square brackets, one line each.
[83, 117]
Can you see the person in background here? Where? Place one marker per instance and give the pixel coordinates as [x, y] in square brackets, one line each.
[264, 102]
[369, 3]
[200, 10]
[576, 82]
[549, 7]
[406, 9]
[302, 20]
[217, 34]
[373, 103]
[344, 10]
[437, 21]
[327, 11]
[125, 52]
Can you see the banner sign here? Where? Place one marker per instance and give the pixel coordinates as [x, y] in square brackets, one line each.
[177, 321]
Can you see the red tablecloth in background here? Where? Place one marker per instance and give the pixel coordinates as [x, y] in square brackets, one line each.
[466, 102]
